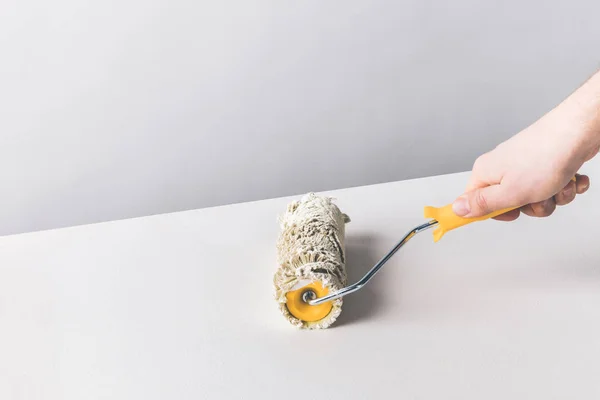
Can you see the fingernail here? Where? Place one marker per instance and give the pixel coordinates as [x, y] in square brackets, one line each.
[461, 207]
[585, 186]
[567, 192]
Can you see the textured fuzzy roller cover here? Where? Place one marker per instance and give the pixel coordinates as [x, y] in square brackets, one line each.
[311, 248]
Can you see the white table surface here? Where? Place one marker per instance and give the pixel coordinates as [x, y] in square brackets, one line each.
[180, 306]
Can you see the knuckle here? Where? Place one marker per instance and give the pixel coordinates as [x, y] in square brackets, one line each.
[538, 210]
[546, 208]
[479, 162]
[480, 201]
[570, 196]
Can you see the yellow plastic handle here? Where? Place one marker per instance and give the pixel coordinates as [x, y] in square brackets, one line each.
[448, 221]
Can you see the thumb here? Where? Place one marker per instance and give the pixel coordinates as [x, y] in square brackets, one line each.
[481, 201]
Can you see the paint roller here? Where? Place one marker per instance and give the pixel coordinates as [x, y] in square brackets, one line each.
[311, 279]
[311, 258]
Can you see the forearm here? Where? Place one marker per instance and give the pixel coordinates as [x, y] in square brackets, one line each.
[580, 113]
[533, 170]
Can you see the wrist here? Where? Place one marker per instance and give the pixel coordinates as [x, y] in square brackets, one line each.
[580, 115]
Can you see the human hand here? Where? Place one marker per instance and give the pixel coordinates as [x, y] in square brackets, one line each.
[533, 169]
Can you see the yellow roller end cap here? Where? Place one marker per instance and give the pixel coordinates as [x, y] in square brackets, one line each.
[304, 311]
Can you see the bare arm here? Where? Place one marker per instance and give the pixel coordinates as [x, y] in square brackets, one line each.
[533, 169]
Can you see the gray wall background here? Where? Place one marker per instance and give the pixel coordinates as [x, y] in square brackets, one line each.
[115, 109]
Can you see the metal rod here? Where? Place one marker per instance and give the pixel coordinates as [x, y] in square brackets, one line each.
[356, 286]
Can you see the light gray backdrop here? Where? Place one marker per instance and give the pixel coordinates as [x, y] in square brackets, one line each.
[123, 108]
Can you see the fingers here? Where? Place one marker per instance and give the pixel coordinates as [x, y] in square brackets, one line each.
[485, 200]
[509, 216]
[583, 183]
[482, 201]
[541, 209]
[566, 195]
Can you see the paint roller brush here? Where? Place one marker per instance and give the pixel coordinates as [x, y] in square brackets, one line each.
[311, 279]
